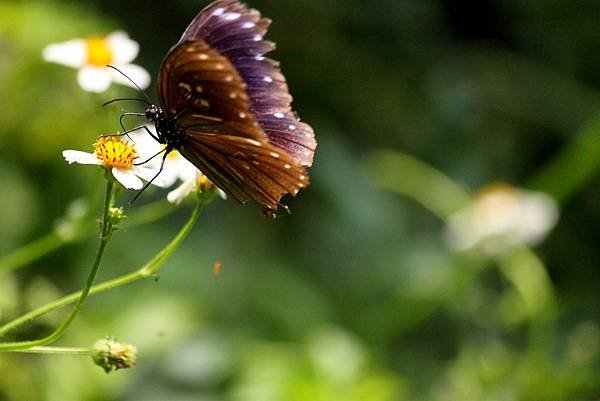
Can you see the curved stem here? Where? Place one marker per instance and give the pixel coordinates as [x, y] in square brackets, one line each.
[52, 241]
[105, 237]
[147, 270]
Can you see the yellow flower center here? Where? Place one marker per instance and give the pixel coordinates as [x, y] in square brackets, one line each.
[113, 152]
[98, 52]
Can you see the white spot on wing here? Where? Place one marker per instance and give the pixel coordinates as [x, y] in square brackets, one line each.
[231, 16]
[248, 25]
[253, 142]
[220, 66]
[287, 166]
[257, 38]
[243, 115]
[275, 155]
[292, 127]
[203, 56]
[218, 11]
[228, 78]
[233, 95]
[268, 79]
[259, 58]
[279, 115]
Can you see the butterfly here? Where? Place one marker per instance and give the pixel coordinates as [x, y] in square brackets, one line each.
[227, 109]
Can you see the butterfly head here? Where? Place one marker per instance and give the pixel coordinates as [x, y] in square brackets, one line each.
[152, 112]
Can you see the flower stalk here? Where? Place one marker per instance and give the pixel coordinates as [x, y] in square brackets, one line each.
[105, 235]
[147, 270]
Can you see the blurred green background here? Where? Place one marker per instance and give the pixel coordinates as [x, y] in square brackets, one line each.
[355, 296]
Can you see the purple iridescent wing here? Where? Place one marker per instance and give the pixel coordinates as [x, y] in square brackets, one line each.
[237, 33]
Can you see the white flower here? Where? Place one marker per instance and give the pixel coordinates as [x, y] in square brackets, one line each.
[176, 168]
[92, 55]
[111, 152]
[502, 216]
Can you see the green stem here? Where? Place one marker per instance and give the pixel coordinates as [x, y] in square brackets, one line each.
[105, 237]
[147, 270]
[573, 168]
[50, 242]
[409, 176]
[57, 350]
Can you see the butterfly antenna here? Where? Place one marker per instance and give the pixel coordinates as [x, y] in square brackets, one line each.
[125, 99]
[131, 80]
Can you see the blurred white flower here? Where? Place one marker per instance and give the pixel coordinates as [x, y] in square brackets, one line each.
[176, 168]
[111, 152]
[502, 216]
[92, 55]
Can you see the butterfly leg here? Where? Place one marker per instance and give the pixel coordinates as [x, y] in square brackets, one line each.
[162, 166]
[126, 133]
[128, 114]
[152, 134]
[146, 161]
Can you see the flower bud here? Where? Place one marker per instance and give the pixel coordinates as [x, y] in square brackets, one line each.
[116, 215]
[111, 355]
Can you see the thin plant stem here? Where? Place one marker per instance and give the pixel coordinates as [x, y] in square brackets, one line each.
[104, 239]
[57, 350]
[50, 242]
[147, 270]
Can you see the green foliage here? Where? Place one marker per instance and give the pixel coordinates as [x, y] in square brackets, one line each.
[356, 296]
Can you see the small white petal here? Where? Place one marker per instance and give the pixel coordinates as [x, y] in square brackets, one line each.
[127, 178]
[124, 50]
[222, 193]
[94, 79]
[76, 156]
[72, 53]
[149, 173]
[136, 73]
[181, 192]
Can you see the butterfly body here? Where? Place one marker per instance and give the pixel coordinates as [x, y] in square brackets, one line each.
[226, 108]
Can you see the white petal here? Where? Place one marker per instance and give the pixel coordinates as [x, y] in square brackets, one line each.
[539, 214]
[136, 73]
[222, 193]
[145, 145]
[94, 79]
[76, 156]
[148, 174]
[181, 192]
[124, 50]
[181, 167]
[72, 53]
[127, 178]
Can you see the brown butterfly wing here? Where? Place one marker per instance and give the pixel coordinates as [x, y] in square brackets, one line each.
[206, 95]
